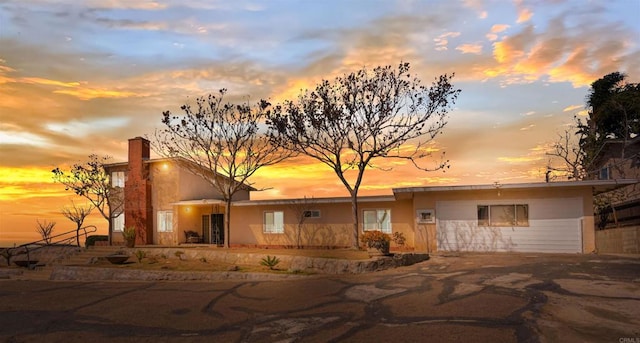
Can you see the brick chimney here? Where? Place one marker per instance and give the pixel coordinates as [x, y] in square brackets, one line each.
[137, 195]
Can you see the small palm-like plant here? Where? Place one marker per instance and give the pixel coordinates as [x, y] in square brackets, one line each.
[140, 254]
[270, 261]
[129, 235]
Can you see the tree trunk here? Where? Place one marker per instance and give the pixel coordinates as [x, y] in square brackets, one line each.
[227, 239]
[110, 230]
[615, 215]
[354, 216]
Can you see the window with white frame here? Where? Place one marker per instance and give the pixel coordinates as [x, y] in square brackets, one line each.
[117, 179]
[503, 215]
[117, 223]
[273, 222]
[165, 221]
[379, 219]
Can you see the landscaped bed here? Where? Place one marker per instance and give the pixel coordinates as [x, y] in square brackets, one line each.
[184, 264]
[162, 263]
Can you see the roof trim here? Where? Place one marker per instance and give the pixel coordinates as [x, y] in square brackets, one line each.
[598, 186]
[313, 201]
[198, 202]
[145, 160]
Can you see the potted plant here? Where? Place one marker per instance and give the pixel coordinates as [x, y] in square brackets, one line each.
[129, 234]
[377, 242]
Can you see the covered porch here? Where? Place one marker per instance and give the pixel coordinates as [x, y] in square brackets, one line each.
[199, 222]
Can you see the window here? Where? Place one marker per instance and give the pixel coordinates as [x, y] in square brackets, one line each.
[312, 214]
[118, 223]
[503, 215]
[165, 221]
[117, 179]
[273, 222]
[426, 216]
[377, 220]
[604, 173]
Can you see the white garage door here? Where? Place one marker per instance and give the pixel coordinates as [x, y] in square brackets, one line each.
[554, 225]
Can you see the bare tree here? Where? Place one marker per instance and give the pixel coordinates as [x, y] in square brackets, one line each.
[45, 229]
[567, 157]
[221, 142]
[355, 119]
[77, 214]
[91, 181]
[302, 210]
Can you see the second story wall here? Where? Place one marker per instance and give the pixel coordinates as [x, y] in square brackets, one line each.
[194, 187]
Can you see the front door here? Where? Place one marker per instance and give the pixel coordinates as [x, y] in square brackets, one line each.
[217, 229]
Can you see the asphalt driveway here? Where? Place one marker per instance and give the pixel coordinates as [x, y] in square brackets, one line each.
[461, 298]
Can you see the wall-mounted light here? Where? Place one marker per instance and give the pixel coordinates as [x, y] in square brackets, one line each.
[498, 186]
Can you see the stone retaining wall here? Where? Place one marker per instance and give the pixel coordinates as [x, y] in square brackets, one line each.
[292, 263]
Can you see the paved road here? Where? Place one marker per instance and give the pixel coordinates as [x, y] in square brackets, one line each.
[466, 298]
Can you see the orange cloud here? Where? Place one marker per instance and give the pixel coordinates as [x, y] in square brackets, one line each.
[440, 180]
[524, 15]
[92, 93]
[475, 49]
[478, 7]
[495, 29]
[520, 159]
[529, 56]
[571, 108]
[527, 128]
[72, 88]
[25, 175]
[47, 82]
[442, 41]
[28, 182]
[126, 4]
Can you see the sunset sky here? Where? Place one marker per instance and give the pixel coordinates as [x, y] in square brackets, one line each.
[82, 77]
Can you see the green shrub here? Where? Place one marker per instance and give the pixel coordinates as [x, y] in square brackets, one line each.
[91, 240]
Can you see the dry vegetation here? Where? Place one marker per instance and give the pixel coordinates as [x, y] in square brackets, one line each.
[174, 263]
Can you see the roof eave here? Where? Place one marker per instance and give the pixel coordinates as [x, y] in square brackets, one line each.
[599, 186]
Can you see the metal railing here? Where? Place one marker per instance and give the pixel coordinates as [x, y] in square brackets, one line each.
[28, 248]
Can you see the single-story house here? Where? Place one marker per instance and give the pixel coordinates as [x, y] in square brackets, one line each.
[163, 201]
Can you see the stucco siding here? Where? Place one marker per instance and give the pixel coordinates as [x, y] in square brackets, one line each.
[334, 228]
[194, 187]
[555, 225]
